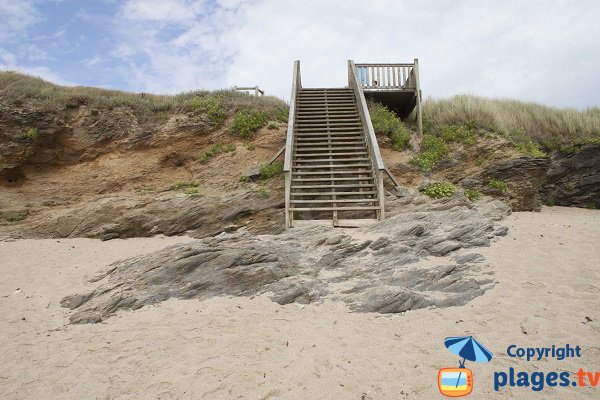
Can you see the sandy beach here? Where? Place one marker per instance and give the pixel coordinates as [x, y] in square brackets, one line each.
[547, 273]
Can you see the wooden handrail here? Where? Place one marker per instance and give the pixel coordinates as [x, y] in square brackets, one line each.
[296, 86]
[383, 76]
[354, 84]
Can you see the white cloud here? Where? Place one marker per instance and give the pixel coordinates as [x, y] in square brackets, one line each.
[15, 18]
[92, 61]
[536, 50]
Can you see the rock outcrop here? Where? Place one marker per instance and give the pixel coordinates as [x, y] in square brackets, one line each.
[374, 269]
[573, 179]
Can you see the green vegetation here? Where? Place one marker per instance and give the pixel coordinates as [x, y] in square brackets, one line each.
[433, 149]
[282, 113]
[387, 123]
[30, 134]
[472, 194]
[459, 134]
[245, 179]
[142, 190]
[192, 191]
[437, 190]
[16, 217]
[246, 123]
[215, 150]
[262, 191]
[530, 148]
[550, 202]
[520, 122]
[499, 185]
[250, 146]
[218, 104]
[209, 106]
[272, 126]
[181, 184]
[270, 170]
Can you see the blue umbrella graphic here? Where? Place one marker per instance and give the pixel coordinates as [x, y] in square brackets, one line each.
[469, 349]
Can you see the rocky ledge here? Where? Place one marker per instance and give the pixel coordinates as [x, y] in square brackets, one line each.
[382, 268]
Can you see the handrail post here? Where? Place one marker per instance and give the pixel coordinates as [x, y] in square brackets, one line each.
[418, 105]
[287, 165]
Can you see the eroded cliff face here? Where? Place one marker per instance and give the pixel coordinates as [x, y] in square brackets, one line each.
[80, 171]
[573, 179]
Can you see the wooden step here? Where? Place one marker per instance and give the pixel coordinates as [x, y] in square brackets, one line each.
[321, 166]
[325, 134]
[341, 186]
[370, 192]
[311, 154]
[312, 149]
[368, 178]
[309, 129]
[327, 138]
[306, 145]
[366, 208]
[326, 160]
[330, 201]
[366, 172]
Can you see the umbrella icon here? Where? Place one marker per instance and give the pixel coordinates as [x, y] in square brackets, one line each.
[469, 349]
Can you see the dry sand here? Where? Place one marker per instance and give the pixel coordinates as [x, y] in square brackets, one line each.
[548, 289]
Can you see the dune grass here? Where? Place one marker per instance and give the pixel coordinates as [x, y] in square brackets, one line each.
[217, 104]
[522, 123]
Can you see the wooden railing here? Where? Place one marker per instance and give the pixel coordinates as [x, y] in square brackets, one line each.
[289, 143]
[386, 76]
[378, 167]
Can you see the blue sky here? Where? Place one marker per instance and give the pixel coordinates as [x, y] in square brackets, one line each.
[543, 51]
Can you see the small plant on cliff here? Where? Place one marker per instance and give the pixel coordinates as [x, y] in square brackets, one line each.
[209, 106]
[499, 185]
[250, 146]
[262, 191]
[530, 148]
[272, 126]
[472, 194]
[30, 134]
[433, 149]
[245, 179]
[270, 170]
[246, 123]
[387, 123]
[181, 184]
[192, 191]
[215, 150]
[16, 217]
[437, 190]
[458, 133]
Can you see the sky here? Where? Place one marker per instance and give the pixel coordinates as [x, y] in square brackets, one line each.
[544, 51]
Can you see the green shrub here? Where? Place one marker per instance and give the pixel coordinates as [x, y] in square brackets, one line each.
[30, 134]
[433, 149]
[192, 190]
[181, 184]
[244, 179]
[281, 114]
[262, 191]
[437, 190]
[530, 148]
[270, 170]
[387, 123]
[246, 123]
[209, 106]
[215, 150]
[272, 126]
[250, 146]
[16, 217]
[550, 202]
[460, 134]
[472, 194]
[499, 185]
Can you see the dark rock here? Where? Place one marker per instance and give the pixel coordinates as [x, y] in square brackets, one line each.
[574, 179]
[371, 269]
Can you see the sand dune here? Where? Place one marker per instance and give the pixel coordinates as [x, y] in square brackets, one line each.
[547, 271]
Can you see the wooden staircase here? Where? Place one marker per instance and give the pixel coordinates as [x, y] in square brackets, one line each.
[332, 175]
[333, 169]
